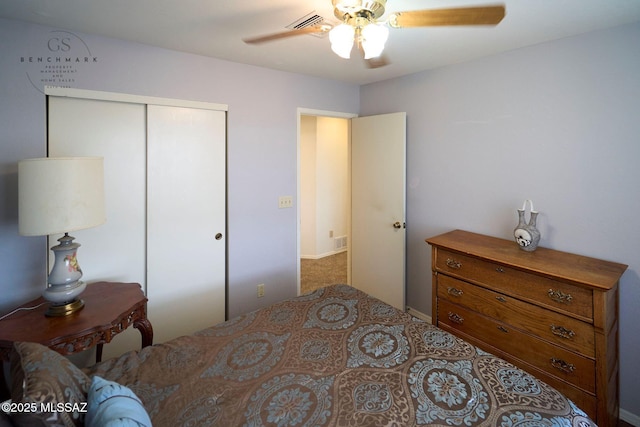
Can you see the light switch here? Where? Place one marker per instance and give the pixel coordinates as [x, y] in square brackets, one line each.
[285, 202]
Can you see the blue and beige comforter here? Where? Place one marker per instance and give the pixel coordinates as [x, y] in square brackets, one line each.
[335, 357]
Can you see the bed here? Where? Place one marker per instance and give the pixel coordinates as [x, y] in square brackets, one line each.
[335, 357]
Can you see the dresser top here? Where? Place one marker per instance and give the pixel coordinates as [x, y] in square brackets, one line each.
[548, 262]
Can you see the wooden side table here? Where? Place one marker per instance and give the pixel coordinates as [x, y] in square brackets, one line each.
[109, 308]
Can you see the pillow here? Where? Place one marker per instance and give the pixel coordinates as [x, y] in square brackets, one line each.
[42, 376]
[112, 404]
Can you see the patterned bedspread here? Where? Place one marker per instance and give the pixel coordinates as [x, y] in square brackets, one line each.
[333, 357]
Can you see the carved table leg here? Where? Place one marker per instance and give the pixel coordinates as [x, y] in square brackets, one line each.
[99, 353]
[146, 330]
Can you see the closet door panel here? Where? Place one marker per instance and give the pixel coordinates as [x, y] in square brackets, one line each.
[114, 251]
[185, 211]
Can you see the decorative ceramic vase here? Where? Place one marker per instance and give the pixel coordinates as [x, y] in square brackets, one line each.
[526, 234]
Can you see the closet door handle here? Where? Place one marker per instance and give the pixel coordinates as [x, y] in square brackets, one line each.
[218, 236]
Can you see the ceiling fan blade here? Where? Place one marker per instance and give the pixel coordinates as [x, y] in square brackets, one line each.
[482, 15]
[285, 34]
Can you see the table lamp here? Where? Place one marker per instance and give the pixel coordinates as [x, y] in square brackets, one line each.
[61, 195]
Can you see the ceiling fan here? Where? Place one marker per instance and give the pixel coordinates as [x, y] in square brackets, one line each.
[360, 25]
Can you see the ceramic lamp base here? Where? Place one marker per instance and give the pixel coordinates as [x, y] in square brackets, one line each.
[64, 284]
[64, 299]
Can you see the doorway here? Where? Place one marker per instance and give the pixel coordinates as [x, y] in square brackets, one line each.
[324, 199]
[376, 232]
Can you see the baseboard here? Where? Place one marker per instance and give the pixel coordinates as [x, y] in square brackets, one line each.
[324, 255]
[420, 315]
[630, 418]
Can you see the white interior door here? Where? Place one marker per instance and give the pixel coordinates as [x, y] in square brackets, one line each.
[186, 219]
[378, 171]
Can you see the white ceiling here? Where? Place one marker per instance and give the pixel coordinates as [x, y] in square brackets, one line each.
[216, 28]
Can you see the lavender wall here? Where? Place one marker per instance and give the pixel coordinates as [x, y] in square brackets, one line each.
[262, 143]
[556, 123]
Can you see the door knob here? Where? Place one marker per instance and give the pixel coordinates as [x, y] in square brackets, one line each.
[397, 224]
[218, 236]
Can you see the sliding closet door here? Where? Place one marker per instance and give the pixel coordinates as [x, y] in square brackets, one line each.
[114, 251]
[165, 183]
[186, 219]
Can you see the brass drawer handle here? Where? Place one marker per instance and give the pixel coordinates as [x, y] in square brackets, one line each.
[562, 332]
[503, 329]
[559, 296]
[562, 365]
[501, 299]
[500, 269]
[454, 291]
[456, 318]
[452, 263]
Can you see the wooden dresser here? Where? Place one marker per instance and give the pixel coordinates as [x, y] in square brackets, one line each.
[552, 313]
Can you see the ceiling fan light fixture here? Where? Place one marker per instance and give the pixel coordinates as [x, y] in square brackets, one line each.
[374, 36]
[352, 7]
[362, 25]
[341, 37]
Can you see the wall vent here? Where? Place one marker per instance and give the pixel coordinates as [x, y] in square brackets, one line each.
[340, 243]
[309, 20]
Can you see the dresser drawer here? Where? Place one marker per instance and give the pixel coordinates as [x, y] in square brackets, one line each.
[536, 289]
[549, 325]
[584, 400]
[557, 361]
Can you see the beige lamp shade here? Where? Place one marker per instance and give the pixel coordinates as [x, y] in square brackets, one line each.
[60, 194]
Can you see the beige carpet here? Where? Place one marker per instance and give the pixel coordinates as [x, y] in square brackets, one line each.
[317, 273]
